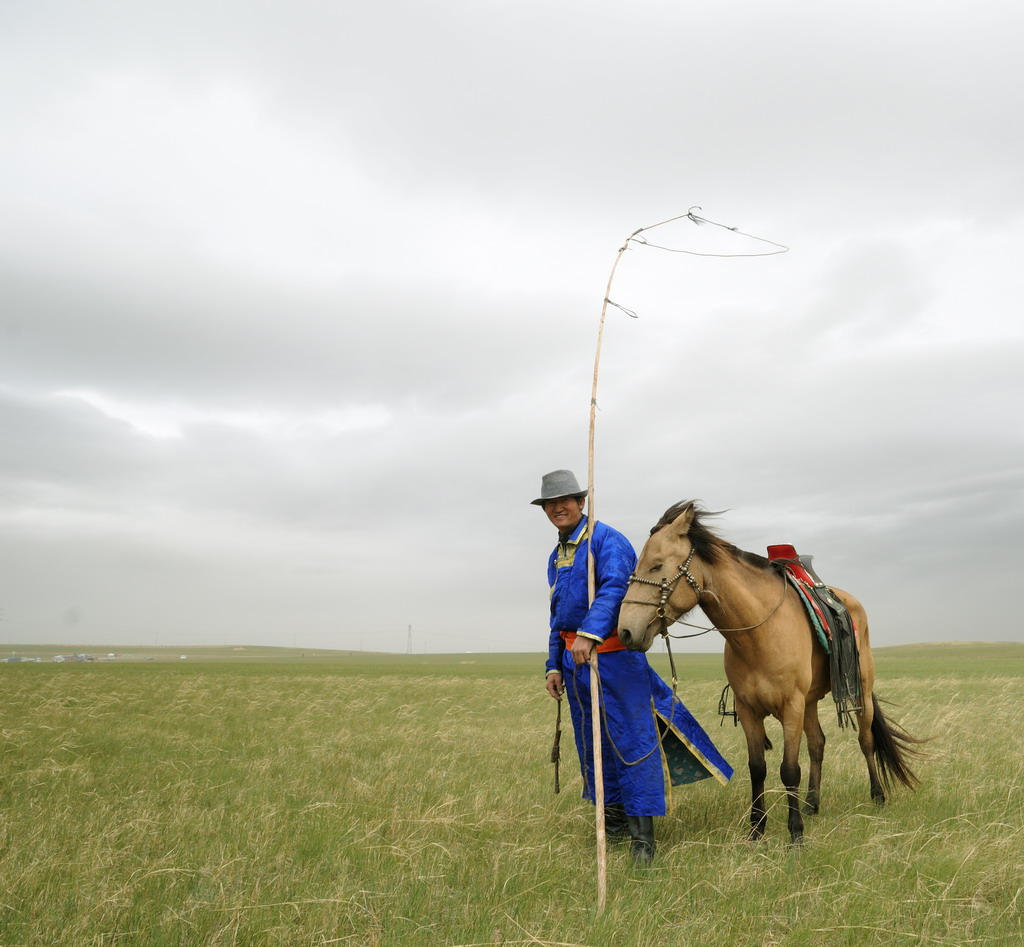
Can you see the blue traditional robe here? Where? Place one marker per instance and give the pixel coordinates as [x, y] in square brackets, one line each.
[650, 741]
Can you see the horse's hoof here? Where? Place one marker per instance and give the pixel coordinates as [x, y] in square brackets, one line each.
[811, 808]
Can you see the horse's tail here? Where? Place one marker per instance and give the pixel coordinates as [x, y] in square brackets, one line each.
[893, 749]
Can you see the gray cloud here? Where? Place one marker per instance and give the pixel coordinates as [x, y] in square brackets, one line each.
[297, 305]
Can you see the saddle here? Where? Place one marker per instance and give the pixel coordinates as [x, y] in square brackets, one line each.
[833, 625]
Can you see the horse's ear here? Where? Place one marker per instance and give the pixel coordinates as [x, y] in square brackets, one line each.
[681, 524]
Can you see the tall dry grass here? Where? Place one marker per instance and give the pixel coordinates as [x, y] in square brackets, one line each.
[408, 802]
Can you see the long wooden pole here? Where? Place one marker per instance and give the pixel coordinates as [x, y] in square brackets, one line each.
[595, 706]
[595, 694]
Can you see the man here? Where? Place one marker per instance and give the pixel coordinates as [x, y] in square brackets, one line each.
[647, 733]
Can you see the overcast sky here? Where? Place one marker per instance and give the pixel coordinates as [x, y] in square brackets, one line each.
[298, 301]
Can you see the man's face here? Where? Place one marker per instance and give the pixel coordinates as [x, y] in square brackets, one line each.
[564, 512]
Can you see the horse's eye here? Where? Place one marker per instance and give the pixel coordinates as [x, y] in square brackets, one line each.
[656, 568]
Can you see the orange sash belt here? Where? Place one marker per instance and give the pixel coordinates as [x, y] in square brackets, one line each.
[611, 643]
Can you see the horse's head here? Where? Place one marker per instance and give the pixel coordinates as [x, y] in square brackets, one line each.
[662, 587]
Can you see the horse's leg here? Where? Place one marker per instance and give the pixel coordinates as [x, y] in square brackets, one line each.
[816, 750]
[753, 730]
[866, 715]
[789, 771]
[866, 738]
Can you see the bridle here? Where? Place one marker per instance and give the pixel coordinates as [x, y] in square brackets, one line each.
[667, 588]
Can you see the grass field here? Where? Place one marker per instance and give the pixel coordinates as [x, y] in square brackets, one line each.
[273, 796]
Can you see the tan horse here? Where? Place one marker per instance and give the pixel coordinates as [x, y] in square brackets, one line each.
[773, 661]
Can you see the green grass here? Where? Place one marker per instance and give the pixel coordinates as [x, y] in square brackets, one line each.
[266, 797]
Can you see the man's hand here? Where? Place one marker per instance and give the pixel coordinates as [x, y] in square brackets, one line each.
[581, 649]
[555, 685]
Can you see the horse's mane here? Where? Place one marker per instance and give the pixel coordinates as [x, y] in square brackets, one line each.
[707, 544]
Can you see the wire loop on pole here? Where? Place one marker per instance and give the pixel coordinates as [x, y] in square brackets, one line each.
[634, 237]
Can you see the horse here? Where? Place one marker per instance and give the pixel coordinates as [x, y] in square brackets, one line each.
[773, 661]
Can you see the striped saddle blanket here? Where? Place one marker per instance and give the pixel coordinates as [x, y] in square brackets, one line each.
[833, 626]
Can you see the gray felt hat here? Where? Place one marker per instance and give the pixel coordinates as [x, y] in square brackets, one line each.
[558, 483]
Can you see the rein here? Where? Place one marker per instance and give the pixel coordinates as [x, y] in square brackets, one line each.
[668, 587]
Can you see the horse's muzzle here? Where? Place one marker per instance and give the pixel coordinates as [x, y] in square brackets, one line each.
[626, 637]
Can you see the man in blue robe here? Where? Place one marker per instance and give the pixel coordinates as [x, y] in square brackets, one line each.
[649, 740]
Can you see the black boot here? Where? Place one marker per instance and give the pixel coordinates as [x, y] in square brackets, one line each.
[616, 828]
[641, 830]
